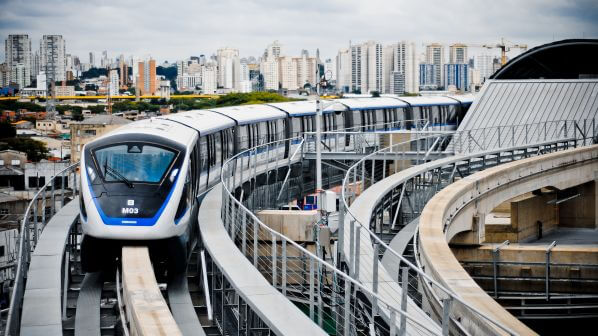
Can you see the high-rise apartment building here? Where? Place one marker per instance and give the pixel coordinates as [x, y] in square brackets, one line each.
[244, 79]
[209, 77]
[427, 76]
[372, 78]
[113, 83]
[146, 78]
[483, 63]
[397, 83]
[104, 62]
[18, 59]
[435, 56]
[356, 68]
[343, 71]
[458, 54]
[4, 75]
[124, 72]
[53, 57]
[287, 70]
[273, 50]
[228, 68]
[456, 75]
[306, 70]
[401, 57]
[92, 59]
[329, 69]
[270, 72]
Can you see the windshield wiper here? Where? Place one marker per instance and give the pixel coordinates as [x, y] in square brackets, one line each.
[117, 175]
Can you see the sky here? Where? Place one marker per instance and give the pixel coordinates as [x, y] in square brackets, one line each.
[176, 29]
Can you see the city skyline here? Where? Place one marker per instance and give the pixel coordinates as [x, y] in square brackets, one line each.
[169, 33]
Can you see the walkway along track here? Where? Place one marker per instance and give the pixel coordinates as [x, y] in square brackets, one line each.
[451, 211]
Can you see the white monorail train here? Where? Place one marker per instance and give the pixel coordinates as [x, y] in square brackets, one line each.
[142, 183]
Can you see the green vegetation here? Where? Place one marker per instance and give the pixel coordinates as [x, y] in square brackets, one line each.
[93, 73]
[231, 99]
[13, 105]
[35, 150]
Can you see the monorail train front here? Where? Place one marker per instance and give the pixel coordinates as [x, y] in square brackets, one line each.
[132, 192]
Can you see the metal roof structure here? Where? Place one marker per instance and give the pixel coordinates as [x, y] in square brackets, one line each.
[554, 61]
[371, 103]
[536, 103]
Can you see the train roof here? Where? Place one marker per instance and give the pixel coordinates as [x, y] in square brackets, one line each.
[204, 121]
[464, 98]
[306, 107]
[158, 127]
[428, 100]
[371, 103]
[249, 114]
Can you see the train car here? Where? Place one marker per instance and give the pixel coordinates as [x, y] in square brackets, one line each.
[438, 112]
[141, 186]
[375, 114]
[302, 116]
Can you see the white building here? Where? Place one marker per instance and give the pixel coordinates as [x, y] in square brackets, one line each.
[483, 64]
[403, 59]
[273, 50]
[269, 69]
[306, 70]
[228, 68]
[52, 58]
[343, 71]
[330, 69]
[40, 90]
[367, 74]
[287, 70]
[209, 76]
[186, 82]
[18, 59]
[113, 83]
[435, 56]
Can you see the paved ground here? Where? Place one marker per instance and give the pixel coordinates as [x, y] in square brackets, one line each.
[570, 236]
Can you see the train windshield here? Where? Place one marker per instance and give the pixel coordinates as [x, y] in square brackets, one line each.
[134, 162]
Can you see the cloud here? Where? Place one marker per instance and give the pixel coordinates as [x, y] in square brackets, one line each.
[176, 29]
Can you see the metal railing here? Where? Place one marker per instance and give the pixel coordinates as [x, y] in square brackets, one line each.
[334, 300]
[403, 202]
[32, 225]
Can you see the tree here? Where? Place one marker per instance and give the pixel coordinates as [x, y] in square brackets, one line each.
[35, 150]
[7, 130]
[375, 94]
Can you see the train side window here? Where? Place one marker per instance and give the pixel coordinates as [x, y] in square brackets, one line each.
[217, 149]
[203, 144]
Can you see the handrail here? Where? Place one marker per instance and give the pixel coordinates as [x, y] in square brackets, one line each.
[227, 194]
[26, 245]
[353, 170]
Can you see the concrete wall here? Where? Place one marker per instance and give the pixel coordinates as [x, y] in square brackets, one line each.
[580, 212]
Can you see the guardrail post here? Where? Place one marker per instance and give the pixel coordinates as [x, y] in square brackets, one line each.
[44, 208]
[495, 253]
[393, 321]
[244, 231]
[375, 280]
[404, 294]
[274, 263]
[35, 202]
[255, 245]
[65, 283]
[357, 239]
[347, 309]
[311, 288]
[341, 234]
[446, 310]
[53, 195]
[62, 191]
[352, 247]
[284, 267]
[548, 252]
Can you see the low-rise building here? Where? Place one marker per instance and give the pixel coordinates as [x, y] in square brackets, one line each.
[91, 128]
[64, 90]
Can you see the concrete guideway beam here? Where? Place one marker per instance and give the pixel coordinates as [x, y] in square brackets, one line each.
[147, 311]
[451, 212]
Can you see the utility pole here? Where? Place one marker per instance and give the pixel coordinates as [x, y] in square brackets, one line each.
[323, 80]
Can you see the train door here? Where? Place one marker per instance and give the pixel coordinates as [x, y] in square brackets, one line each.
[203, 162]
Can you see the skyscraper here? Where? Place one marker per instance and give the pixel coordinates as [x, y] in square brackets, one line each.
[270, 72]
[458, 54]
[343, 71]
[92, 60]
[209, 74]
[401, 57]
[372, 78]
[273, 50]
[124, 71]
[229, 68]
[113, 83]
[146, 81]
[483, 63]
[52, 58]
[18, 59]
[356, 68]
[435, 56]
[457, 75]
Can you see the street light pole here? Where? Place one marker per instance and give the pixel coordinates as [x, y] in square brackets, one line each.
[318, 140]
